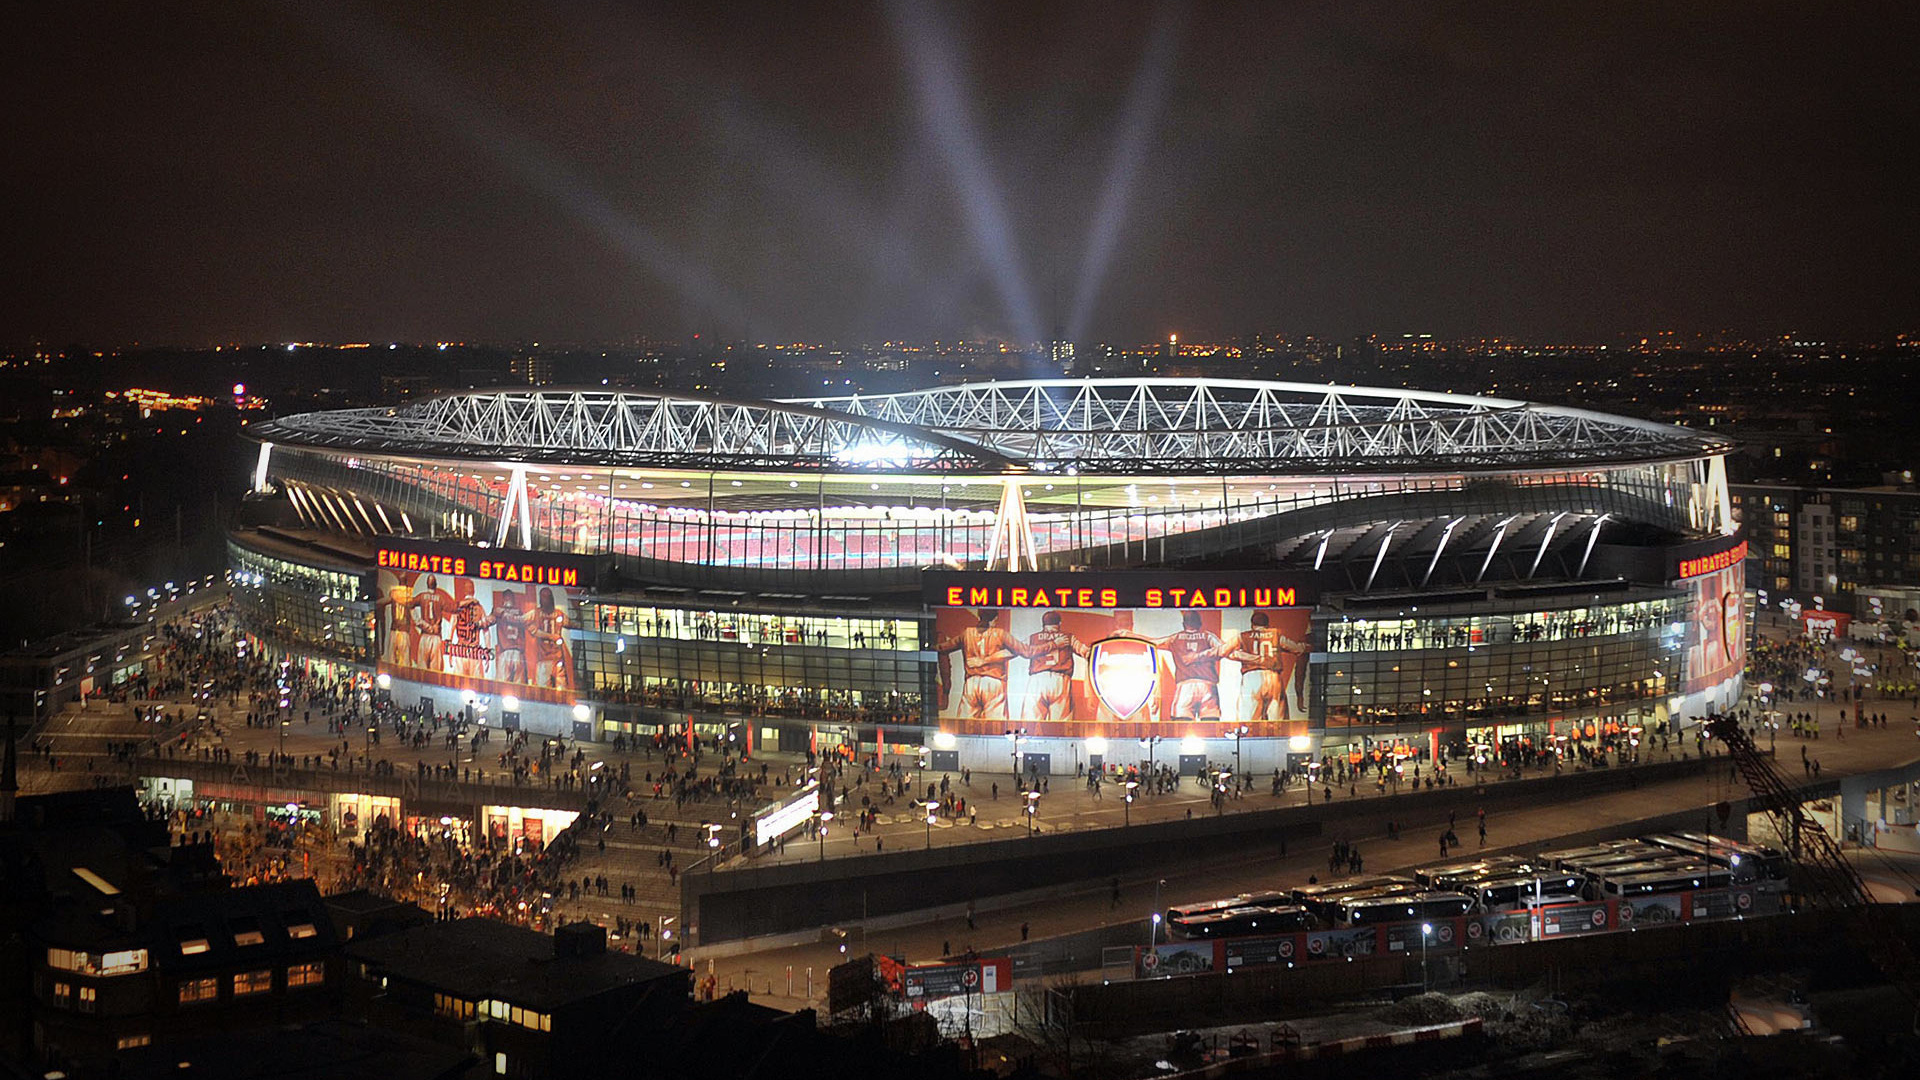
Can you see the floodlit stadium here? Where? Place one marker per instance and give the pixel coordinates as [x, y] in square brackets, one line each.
[1476, 567]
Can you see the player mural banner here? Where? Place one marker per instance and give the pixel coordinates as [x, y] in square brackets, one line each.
[492, 622]
[1716, 637]
[1120, 655]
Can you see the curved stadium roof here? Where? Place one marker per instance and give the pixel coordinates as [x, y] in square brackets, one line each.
[1064, 426]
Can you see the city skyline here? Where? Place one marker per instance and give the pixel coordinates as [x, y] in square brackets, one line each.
[352, 173]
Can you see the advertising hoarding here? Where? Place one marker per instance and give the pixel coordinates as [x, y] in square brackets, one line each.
[493, 622]
[1120, 655]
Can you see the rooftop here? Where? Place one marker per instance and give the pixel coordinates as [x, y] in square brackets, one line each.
[480, 959]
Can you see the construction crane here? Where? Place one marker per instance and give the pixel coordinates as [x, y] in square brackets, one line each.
[1822, 878]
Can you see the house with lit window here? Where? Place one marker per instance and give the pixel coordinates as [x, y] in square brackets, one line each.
[525, 1003]
[116, 971]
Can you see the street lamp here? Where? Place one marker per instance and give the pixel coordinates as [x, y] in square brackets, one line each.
[1014, 738]
[825, 816]
[1238, 734]
[1426, 931]
[1033, 807]
[931, 806]
[1153, 931]
[1126, 801]
[1148, 743]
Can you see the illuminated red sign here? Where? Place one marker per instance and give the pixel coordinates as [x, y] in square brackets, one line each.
[1178, 590]
[514, 570]
[1719, 560]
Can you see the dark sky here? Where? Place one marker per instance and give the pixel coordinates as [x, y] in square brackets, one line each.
[244, 170]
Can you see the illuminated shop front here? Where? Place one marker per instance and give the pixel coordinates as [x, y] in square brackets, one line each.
[537, 826]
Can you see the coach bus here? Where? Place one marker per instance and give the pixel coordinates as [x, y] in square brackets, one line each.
[1750, 864]
[1231, 903]
[1324, 900]
[1610, 850]
[1240, 921]
[1519, 893]
[1445, 877]
[1375, 909]
[1673, 880]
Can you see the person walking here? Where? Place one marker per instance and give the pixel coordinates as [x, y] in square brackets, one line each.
[1483, 832]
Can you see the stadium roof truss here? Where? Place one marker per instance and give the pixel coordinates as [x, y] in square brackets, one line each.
[1101, 426]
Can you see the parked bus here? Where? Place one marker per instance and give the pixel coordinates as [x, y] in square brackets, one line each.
[1231, 903]
[1241, 921]
[1443, 877]
[1750, 864]
[1672, 880]
[1323, 899]
[1377, 909]
[1601, 851]
[1520, 893]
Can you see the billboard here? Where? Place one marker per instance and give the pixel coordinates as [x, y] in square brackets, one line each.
[1716, 637]
[493, 622]
[1120, 655]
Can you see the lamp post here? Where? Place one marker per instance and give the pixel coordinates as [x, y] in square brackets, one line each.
[1238, 734]
[931, 807]
[825, 816]
[1153, 931]
[1426, 931]
[1014, 738]
[1126, 801]
[1033, 808]
[1148, 743]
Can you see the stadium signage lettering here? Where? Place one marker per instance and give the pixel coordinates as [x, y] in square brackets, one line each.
[1221, 596]
[1719, 560]
[487, 569]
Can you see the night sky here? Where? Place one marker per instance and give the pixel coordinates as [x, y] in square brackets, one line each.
[242, 170]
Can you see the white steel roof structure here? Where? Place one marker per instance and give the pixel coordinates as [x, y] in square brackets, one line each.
[1154, 426]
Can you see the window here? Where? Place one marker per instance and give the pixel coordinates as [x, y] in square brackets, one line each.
[300, 930]
[192, 990]
[89, 997]
[193, 946]
[62, 994]
[453, 1007]
[249, 937]
[308, 974]
[500, 1062]
[66, 960]
[253, 982]
[125, 962]
[128, 1042]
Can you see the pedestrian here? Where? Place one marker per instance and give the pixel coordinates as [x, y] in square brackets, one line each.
[1023, 931]
[970, 925]
[1116, 892]
[946, 948]
[1443, 845]
[1483, 834]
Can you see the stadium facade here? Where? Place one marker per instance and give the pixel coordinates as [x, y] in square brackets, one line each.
[1053, 573]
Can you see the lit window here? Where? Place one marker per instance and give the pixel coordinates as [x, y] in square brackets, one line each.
[309, 974]
[88, 997]
[301, 930]
[194, 946]
[192, 990]
[253, 982]
[128, 1042]
[62, 994]
[249, 937]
